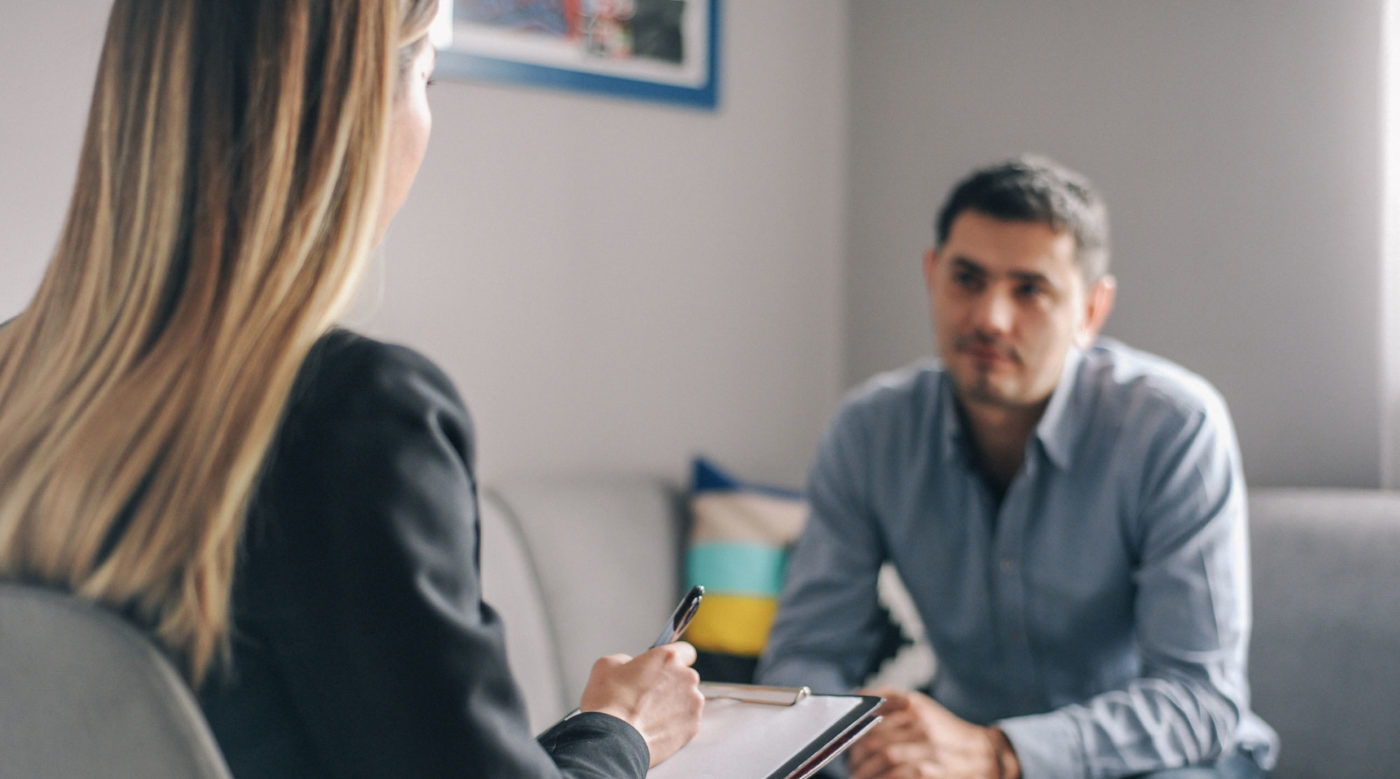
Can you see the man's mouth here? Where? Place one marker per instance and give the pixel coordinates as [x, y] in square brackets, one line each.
[984, 351]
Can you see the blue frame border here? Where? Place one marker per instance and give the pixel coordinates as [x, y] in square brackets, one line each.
[453, 63]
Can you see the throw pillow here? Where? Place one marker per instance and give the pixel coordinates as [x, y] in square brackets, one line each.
[738, 547]
[741, 533]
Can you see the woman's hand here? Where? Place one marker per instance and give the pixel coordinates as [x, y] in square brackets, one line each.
[657, 692]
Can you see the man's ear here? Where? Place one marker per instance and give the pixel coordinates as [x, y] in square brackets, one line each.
[1098, 302]
[930, 265]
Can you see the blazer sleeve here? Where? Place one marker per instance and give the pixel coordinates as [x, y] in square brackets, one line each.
[367, 537]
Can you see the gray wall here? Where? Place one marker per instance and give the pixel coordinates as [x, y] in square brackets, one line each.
[613, 285]
[1238, 146]
[48, 53]
[616, 285]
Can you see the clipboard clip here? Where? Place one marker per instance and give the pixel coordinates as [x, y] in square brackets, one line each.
[754, 693]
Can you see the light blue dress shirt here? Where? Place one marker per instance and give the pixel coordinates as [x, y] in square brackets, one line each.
[1099, 615]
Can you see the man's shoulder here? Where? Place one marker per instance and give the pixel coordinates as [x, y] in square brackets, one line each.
[896, 410]
[912, 385]
[1131, 378]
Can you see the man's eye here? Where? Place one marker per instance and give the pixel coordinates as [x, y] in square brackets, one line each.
[966, 280]
[1029, 291]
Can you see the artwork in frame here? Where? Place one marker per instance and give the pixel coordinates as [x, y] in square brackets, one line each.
[664, 50]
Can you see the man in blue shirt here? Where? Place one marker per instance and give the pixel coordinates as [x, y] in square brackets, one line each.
[1067, 513]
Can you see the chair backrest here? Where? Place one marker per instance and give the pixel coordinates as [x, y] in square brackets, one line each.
[85, 694]
[1326, 637]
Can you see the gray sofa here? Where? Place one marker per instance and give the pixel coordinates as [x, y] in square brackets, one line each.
[583, 567]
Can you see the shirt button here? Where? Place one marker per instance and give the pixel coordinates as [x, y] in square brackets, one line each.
[1008, 565]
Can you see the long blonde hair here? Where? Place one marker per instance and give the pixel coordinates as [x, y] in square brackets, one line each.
[227, 191]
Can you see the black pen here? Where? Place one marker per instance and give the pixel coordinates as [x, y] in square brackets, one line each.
[681, 617]
[680, 620]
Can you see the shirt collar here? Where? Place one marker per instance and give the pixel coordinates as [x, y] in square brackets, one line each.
[956, 448]
[1055, 431]
[1058, 426]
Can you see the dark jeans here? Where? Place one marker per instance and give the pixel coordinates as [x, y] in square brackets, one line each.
[1235, 766]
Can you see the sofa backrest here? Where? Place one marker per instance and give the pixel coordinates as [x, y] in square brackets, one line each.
[584, 567]
[1325, 654]
[579, 567]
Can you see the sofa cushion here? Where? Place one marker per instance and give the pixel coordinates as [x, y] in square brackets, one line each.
[740, 537]
[1323, 659]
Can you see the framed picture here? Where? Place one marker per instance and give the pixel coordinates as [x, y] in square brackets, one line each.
[666, 50]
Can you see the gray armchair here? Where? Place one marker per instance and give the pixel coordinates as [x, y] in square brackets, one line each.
[84, 694]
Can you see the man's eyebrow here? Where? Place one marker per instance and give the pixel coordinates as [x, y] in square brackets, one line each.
[1031, 276]
[964, 264]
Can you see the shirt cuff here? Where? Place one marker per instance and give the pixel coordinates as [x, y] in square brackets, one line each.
[1048, 746]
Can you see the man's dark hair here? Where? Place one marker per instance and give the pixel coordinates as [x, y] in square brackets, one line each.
[1035, 189]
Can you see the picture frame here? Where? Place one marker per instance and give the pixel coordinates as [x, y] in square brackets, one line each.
[655, 50]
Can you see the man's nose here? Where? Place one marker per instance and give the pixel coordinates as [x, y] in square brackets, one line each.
[994, 312]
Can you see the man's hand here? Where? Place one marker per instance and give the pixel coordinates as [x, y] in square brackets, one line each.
[919, 738]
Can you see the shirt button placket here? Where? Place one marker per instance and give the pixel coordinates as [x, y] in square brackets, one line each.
[1011, 525]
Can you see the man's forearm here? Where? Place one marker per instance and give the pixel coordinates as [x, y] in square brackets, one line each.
[1121, 731]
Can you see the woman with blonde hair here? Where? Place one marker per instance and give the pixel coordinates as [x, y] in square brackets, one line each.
[289, 508]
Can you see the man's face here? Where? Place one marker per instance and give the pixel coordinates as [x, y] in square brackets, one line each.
[1008, 301]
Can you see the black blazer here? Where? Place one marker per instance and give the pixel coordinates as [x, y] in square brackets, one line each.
[362, 646]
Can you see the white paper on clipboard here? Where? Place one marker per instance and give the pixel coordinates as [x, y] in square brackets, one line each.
[739, 740]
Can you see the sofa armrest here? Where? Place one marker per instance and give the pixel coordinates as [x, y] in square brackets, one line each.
[1323, 670]
[511, 585]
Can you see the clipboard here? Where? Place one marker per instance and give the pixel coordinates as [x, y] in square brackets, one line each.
[758, 732]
